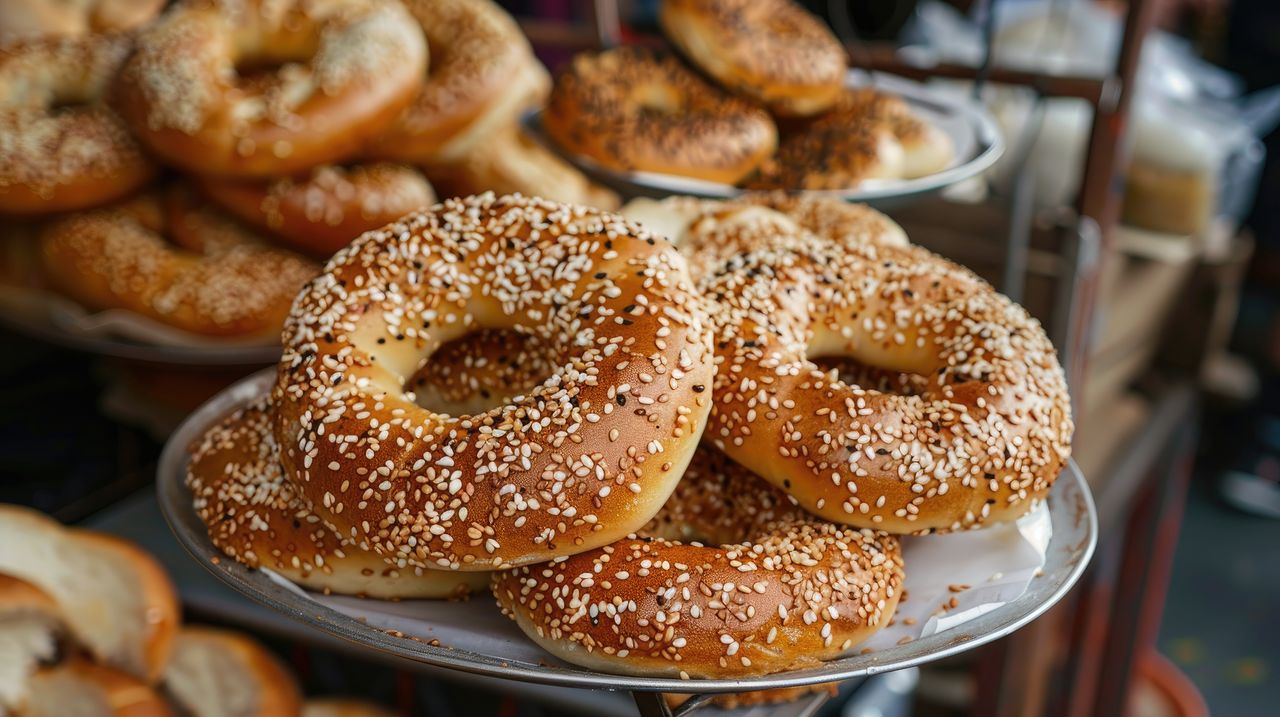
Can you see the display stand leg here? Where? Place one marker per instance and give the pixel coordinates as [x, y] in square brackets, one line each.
[654, 704]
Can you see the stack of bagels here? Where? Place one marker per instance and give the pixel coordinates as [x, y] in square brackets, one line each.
[755, 96]
[678, 441]
[90, 626]
[193, 166]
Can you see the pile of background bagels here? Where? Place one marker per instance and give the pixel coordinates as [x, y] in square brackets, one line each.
[90, 626]
[682, 440]
[189, 166]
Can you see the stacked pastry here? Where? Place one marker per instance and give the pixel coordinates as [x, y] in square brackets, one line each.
[683, 442]
[89, 626]
[191, 167]
[763, 106]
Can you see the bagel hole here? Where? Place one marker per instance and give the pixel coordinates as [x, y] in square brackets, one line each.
[874, 378]
[480, 371]
[658, 99]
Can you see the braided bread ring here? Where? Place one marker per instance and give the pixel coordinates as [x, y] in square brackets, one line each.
[791, 590]
[580, 461]
[982, 442]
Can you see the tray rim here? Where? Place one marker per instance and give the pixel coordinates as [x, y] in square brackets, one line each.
[988, 138]
[1065, 565]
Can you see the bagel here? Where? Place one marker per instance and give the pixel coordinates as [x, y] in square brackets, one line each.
[835, 220]
[348, 68]
[925, 148]
[831, 157]
[219, 673]
[330, 707]
[254, 516]
[581, 460]
[483, 75]
[635, 110]
[223, 283]
[81, 688]
[70, 157]
[767, 587]
[116, 600]
[332, 205]
[22, 19]
[772, 51]
[982, 441]
[511, 163]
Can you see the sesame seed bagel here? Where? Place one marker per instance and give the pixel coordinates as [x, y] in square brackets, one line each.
[823, 157]
[580, 461]
[325, 209]
[509, 162]
[772, 588]
[925, 148]
[483, 75]
[633, 109]
[80, 155]
[982, 441]
[347, 69]
[255, 516]
[224, 284]
[678, 218]
[773, 51]
[72, 18]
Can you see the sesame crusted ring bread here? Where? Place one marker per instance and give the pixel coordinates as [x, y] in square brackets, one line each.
[220, 673]
[324, 210]
[773, 51]
[70, 157]
[117, 601]
[579, 461]
[255, 516]
[510, 162]
[633, 109]
[72, 18]
[347, 68]
[120, 257]
[80, 687]
[836, 220]
[983, 438]
[925, 148]
[483, 75]
[766, 588]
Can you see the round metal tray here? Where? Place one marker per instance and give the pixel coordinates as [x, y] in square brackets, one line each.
[973, 132]
[1074, 535]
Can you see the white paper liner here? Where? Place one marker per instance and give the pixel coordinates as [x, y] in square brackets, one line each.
[997, 564]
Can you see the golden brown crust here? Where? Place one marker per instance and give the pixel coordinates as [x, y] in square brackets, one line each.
[633, 109]
[215, 672]
[981, 442]
[81, 687]
[255, 516]
[361, 62]
[323, 211]
[331, 707]
[783, 591]
[483, 75]
[773, 51]
[72, 18]
[583, 459]
[118, 258]
[925, 148]
[511, 163]
[80, 156]
[830, 158]
[117, 600]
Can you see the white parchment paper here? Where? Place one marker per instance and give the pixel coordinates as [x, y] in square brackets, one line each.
[981, 570]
